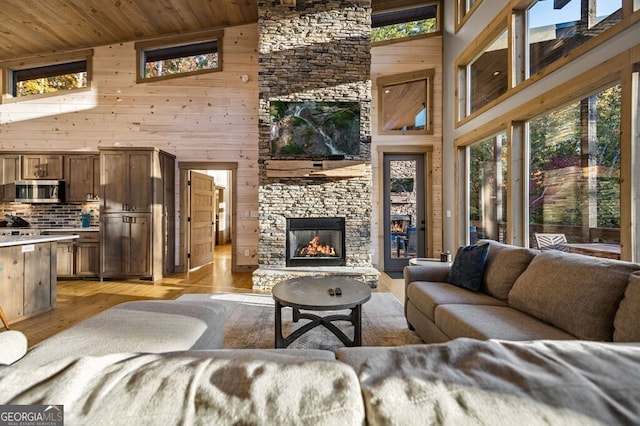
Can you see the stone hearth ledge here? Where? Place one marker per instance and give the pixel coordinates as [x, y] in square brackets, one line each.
[264, 278]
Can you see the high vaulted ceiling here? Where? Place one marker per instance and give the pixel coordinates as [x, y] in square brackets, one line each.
[36, 27]
[30, 28]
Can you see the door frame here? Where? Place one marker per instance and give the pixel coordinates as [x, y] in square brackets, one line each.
[427, 151]
[184, 168]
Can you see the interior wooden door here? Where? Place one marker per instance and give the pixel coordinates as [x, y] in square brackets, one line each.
[201, 219]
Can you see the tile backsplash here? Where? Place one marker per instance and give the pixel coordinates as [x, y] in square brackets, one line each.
[68, 215]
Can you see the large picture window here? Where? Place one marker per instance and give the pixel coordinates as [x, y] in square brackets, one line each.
[574, 174]
[487, 189]
[555, 28]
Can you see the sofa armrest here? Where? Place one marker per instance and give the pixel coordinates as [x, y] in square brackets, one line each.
[437, 272]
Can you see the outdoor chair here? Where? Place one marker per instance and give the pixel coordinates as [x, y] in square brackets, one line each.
[551, 241]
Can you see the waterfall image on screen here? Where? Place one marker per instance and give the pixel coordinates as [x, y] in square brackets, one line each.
[315, 129]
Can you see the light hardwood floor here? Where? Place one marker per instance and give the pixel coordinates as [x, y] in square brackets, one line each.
[80, 299]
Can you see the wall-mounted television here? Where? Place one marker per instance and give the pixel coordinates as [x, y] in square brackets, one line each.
[315, 129]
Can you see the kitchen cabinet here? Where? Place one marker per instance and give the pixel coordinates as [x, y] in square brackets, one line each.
[64, 264]
[127, 180]
[82, 177]
[126, 239]
[42, 166]
[137, 213]
[79, 258]
[9, 173]
[27, 279]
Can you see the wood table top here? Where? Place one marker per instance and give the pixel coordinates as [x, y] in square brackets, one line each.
[312, 293]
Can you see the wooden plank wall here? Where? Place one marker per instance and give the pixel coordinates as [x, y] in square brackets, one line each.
[397, 58]
[208, 117]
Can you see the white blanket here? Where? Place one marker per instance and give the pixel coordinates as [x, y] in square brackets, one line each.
[504, 383]
[197, 387]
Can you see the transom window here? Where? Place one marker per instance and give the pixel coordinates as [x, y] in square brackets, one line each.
[60, 73]
[487, 76]
[406, 22]
[405, 103]
[555, 28]
[464, 9]
[179, 56]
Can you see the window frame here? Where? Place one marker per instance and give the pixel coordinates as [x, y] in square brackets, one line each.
[408, 77]
[10, 68]
[498, 26]
[524, 28]
[412, 5]
[512, 15]
[463, 13]
[177, 42]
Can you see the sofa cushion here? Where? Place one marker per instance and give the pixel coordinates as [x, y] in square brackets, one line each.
[468, 267]
[627, 321]
[140, 326]
[195, 387]
[427, 296]
[13, 346]
[503, 383]
[579, 294]
[494, 322]
[504, 265]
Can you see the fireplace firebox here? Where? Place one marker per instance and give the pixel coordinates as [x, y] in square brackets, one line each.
[316, 241]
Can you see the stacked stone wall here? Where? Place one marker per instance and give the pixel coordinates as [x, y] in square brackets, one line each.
[316, 51]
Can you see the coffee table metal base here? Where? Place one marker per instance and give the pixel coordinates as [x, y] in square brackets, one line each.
[355, 318]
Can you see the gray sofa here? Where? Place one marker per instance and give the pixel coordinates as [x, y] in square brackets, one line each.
[174, 372]
[525, 295]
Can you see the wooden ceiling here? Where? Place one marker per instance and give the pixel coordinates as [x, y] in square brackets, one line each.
[36, 27]
[29, 28]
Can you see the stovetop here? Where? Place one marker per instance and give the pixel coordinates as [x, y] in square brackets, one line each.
[19, 231]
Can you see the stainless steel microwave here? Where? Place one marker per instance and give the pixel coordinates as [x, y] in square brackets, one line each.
[40, 191]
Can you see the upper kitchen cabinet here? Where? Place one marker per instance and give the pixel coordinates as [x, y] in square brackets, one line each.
[9, 173]
[42, 166]
[137, 213]
[82, 177]
[128, 179]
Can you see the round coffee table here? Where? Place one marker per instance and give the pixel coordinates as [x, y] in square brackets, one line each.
[314, 293]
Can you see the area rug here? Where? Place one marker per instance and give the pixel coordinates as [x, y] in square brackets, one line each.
[250, 323]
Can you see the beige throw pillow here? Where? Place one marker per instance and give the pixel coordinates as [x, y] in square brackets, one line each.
[627, 322]
[504, 265]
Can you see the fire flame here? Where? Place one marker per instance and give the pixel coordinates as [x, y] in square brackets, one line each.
[397, 227]
[315, 248]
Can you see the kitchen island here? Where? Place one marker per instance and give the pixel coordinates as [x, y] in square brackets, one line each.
[28, 281]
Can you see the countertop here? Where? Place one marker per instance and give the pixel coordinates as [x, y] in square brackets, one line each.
[21, 240]
[89, 229]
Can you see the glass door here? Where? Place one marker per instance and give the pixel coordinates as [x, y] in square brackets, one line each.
[404, 209]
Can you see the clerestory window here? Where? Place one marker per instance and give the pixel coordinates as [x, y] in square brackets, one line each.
[179, 56]
[406, 22]
[51, 75]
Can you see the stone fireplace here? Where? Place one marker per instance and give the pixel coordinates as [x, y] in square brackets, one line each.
[316, 51]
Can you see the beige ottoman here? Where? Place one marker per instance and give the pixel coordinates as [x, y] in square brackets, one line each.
[149, 326]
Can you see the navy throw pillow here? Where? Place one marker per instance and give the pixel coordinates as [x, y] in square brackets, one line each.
[468, 267]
